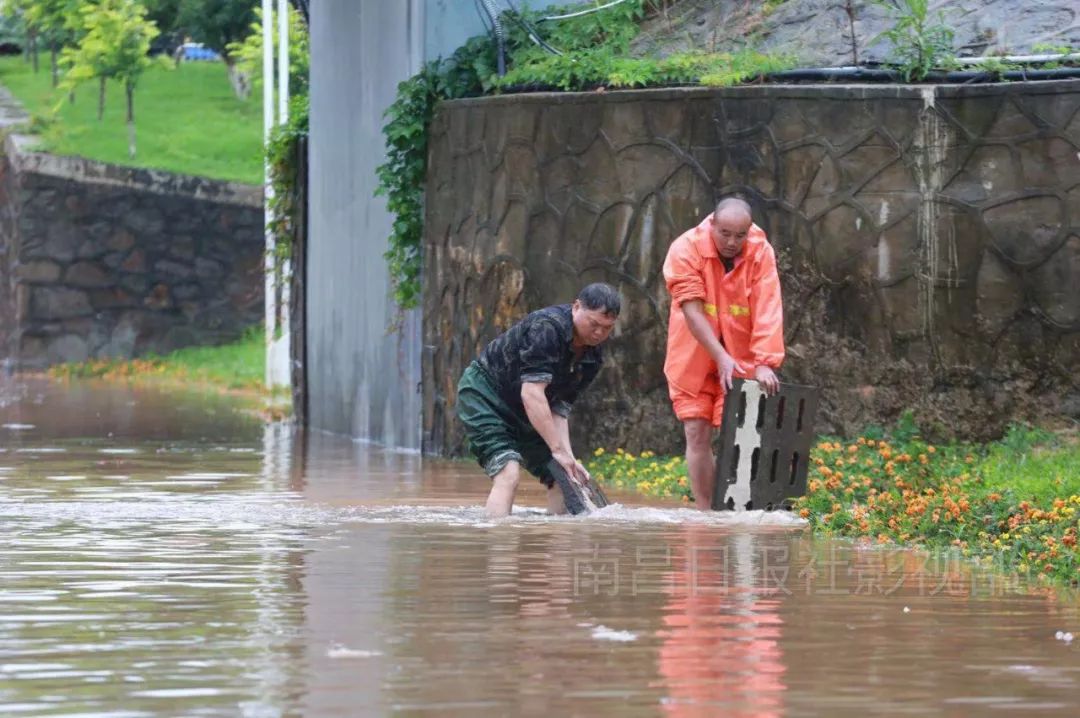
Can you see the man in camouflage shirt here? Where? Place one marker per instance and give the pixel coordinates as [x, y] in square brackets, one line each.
[515, 399]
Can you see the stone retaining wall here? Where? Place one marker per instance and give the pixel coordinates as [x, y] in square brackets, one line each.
[99, 260]
[928, 239]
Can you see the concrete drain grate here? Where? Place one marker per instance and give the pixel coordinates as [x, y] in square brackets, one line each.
[764, 446]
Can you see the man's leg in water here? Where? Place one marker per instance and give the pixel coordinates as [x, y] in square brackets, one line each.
[503, 488]
[556, 504]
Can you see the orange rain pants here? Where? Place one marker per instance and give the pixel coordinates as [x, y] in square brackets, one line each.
[743, 306]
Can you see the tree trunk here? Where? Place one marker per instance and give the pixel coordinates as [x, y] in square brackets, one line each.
[34, 52]
[54, 57]
[101, 99]
[129, 89]
[241, 83]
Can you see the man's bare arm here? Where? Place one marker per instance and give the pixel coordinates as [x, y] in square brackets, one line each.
[547, 425]
[694, 311]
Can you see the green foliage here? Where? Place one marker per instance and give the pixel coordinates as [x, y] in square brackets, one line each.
[919, 45]
[51, 17]
[283, 164]
[1049, 48]
[610, 30]
[769, 6]
[1045, 48]
[401, 179]
[995, 65]
[906, 428]
[602, 68]
[163, 13]
[249, 53]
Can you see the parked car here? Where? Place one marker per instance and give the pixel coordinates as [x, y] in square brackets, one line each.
[196, 52]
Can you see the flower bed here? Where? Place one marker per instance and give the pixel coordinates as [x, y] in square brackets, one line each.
[1013, 503]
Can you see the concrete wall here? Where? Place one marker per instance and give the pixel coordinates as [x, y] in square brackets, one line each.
[928, 239]
[98, 260]
[363, 379]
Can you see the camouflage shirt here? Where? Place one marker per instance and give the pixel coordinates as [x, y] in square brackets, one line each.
[538, 349]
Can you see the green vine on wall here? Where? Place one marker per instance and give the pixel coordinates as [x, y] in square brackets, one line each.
[283, 164]
[401, 180]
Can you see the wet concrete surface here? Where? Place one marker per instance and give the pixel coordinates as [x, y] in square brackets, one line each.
[165, 554]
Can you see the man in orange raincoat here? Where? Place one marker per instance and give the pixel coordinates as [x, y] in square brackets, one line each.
[727, 321]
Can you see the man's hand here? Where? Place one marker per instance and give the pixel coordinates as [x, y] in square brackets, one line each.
[767, 379]
[569, 464]
[727, 366]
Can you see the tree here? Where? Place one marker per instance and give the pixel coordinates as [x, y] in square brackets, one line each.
[51, 19]
[248, 54]
[217, 24]
[116, 46]
[165, 14]
[17, 10]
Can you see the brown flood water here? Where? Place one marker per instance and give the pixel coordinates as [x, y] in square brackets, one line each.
[165, 555]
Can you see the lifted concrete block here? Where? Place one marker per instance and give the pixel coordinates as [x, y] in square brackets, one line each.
[764, 446]
[579, 499]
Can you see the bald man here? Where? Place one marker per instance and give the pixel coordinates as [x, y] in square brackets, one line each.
[726, 322]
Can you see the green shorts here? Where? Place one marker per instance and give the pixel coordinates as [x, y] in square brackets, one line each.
[496, 434]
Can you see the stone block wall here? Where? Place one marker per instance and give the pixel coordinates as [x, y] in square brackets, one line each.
[928, 240]
[107, 261]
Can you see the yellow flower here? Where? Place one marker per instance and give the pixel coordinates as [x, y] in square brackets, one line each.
[599, 451]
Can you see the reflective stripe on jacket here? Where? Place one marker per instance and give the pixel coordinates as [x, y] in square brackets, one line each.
[743, 306]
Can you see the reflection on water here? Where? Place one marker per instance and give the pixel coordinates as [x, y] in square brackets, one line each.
[167, 555]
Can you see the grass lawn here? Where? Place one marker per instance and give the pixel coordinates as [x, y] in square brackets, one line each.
[239, 365]
[236, 369]
[187, 120]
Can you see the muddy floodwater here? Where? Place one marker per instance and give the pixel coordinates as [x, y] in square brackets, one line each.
[165, 554]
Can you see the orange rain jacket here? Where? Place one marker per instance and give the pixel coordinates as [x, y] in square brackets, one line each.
[743, 306]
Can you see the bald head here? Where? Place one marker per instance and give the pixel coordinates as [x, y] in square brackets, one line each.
[731, 222]
[733, 205]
